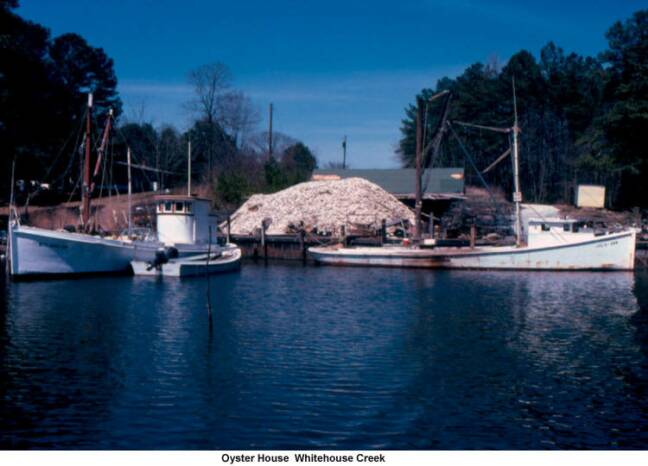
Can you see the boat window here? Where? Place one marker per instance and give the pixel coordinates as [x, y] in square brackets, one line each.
[167, 207]
[545, 227]
[179, 206]
[160, 206]
[188, 207]
[566, 227]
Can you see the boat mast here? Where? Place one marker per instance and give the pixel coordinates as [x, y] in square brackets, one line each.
[419, 148]
[85, 204]
[517, 195]
[10, 219]
[189, 168]
[102, 149]
[130, 193]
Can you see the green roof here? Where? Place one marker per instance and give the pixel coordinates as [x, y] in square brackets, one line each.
[402, 181]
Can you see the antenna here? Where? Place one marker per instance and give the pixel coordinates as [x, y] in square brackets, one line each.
[344, 144]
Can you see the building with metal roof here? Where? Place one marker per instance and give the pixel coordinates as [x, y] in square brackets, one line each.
[437, 183]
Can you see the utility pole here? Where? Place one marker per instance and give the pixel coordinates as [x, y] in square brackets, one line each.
[270, 132]
[344, 144]
[419, 148]
[85, 195]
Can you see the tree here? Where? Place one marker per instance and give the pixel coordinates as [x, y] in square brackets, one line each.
[298, 163]
[42, 82]
[236, 115]
[80, 69]
[626, 96]
[210, 82]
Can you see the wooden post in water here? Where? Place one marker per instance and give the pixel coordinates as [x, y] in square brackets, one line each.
[209, 305]
[302, 244]
[264, 241]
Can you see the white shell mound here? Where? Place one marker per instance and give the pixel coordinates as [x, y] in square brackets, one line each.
[320, 205]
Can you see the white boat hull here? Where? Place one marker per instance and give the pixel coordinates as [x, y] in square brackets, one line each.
[37, 251]
[228, 260]
[614, 251]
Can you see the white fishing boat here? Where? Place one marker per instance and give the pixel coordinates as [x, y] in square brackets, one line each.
[184, 223]
[39, 251]
[550, 244]
[226, 259]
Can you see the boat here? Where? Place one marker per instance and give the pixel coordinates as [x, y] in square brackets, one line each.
[549, 243]
[37, 251]
[553, 244]
[183, 222]
[226, 259]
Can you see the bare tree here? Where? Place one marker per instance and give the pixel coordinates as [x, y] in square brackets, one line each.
[258, 142]
[237, 115]
[210, 82]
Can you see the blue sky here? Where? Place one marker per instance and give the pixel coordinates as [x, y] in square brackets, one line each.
[331, 68]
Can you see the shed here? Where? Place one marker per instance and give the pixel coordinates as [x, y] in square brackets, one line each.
[590, 196]
[437, 183]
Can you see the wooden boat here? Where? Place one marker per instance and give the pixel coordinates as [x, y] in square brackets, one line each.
[183, 222]
[551, 247]
[225, 259]
[551, 244]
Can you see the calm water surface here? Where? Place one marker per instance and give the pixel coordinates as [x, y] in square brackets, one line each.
[317, 357]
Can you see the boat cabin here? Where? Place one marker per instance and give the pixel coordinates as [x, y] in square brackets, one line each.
[184, 219]
[555, 230]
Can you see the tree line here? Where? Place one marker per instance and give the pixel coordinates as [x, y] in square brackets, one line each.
[44, 82]
[582, 119]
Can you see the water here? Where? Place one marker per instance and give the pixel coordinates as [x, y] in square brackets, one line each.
[336, 358]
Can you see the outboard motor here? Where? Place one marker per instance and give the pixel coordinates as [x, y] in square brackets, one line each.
[162, 256]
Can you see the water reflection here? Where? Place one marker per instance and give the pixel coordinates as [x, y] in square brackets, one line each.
[327, 358]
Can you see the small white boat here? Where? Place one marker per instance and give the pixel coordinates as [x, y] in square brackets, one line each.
[225, 259]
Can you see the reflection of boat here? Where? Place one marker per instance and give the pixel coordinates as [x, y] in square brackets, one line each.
[226, 259]
[555, 244]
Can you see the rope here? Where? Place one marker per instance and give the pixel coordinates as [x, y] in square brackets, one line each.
[472, 162]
